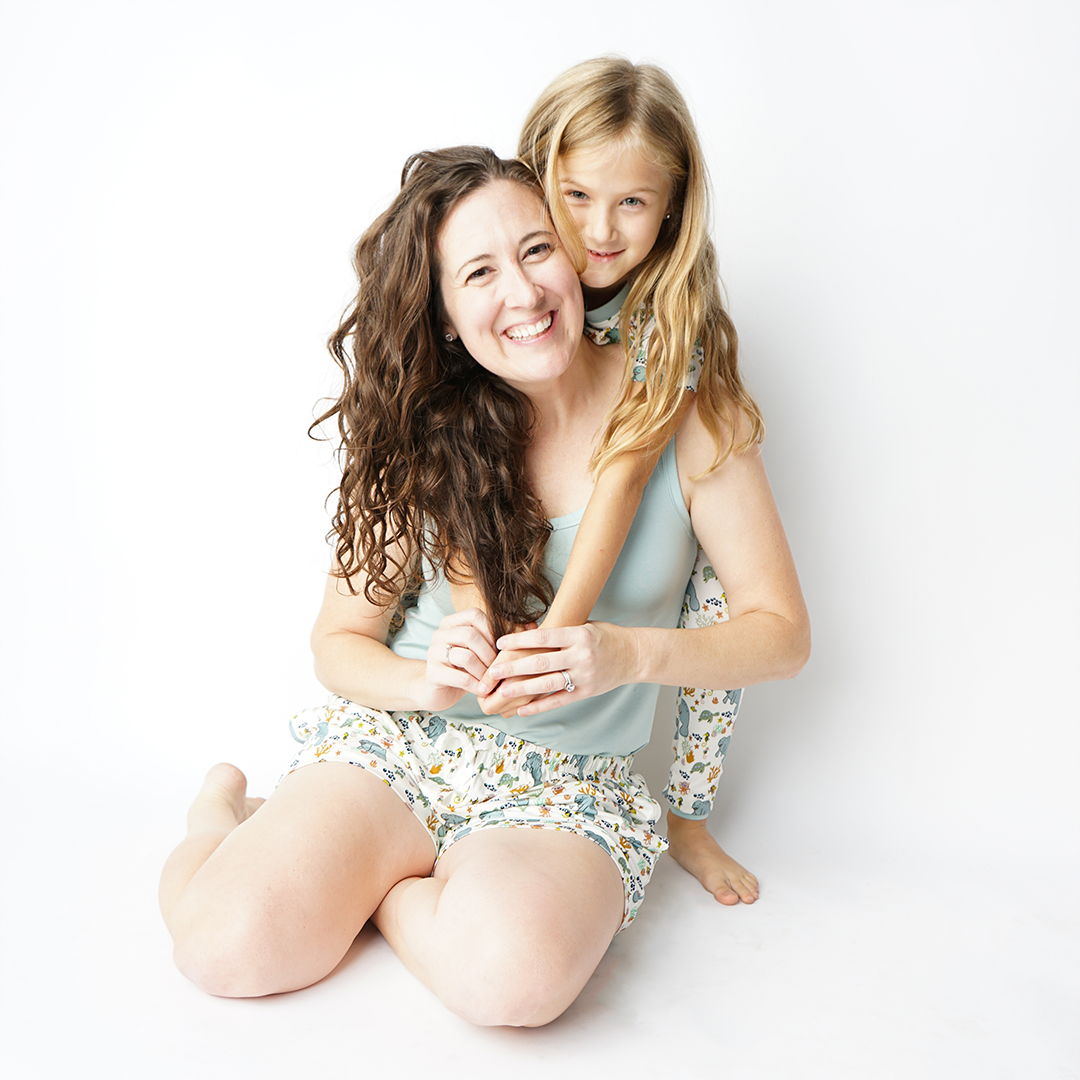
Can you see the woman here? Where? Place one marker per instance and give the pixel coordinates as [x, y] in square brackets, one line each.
[497, 858]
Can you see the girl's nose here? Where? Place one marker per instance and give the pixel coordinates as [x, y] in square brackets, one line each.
[600, 227]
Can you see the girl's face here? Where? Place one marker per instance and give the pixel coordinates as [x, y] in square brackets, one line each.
[508, 289]
[618, 201]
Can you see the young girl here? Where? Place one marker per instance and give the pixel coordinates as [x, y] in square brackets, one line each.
[628, 192]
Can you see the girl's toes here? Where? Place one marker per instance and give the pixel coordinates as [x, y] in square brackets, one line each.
[747, 889]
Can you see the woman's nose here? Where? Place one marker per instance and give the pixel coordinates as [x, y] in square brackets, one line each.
[521, 290]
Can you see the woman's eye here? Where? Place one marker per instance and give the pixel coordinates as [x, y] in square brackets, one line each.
[479, 274]
[538, 249]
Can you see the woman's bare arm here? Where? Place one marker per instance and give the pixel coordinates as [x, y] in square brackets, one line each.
[352, 658]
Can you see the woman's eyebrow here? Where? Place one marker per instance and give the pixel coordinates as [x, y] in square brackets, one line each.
[469, 262]
[534, 234]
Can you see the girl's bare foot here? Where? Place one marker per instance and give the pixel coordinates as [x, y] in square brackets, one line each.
[692, 846]
[222, 802]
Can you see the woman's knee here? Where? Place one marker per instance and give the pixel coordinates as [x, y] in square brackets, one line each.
[516, 1002]
[512, 980]
[223, 958]
[243, 953]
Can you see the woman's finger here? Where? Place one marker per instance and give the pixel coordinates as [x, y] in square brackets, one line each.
[474, 642]
[517, 666]
[465, 632]
[457, 662]
[546, 703]
[513, 694]
[470, 628]
[456, 678]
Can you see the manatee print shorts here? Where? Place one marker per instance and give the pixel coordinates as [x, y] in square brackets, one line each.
[460, 778]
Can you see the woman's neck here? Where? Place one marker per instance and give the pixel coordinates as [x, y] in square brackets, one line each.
[570, 415]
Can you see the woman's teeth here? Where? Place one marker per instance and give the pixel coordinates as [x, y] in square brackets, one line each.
[523, 333]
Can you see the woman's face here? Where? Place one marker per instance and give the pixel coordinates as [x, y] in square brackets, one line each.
[509, 291]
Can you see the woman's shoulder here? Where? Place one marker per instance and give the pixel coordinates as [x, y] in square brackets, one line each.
[731, 426]
[697, 442]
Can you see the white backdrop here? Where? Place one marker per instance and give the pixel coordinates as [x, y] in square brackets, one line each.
[897, 223]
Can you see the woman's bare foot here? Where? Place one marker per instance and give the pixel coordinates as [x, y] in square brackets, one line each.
[220, 806]
[222, 802]
[692, 846]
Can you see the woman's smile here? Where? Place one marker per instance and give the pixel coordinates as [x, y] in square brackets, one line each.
[533, 332]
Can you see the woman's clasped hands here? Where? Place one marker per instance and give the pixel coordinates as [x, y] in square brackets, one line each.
[534, 670]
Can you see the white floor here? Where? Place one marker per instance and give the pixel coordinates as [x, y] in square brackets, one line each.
[854, 963]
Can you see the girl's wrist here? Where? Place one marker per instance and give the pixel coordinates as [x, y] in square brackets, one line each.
[560, 615]
[641, 658]
[635, 655]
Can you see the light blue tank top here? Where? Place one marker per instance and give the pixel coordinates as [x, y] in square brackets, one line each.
[646, 588]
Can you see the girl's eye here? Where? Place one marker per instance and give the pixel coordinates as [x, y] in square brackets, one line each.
[576, 196]
[633, 200]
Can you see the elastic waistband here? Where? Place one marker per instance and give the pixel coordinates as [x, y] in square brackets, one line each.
[545, 763]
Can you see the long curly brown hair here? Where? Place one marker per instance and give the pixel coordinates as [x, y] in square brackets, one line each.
[432, 445]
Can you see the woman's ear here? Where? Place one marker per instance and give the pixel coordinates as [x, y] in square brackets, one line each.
[449, 335]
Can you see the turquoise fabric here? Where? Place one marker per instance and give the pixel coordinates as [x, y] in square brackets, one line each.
[646, 588]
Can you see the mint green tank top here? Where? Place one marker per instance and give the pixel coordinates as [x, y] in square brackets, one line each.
[646, 588]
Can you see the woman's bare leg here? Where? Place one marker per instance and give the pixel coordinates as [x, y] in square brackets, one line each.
[511, 926]
[260, 903]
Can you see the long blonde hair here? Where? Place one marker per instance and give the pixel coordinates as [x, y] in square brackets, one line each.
[610, 103]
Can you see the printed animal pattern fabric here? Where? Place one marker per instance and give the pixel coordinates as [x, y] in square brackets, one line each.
[705, 718]
[460, 778]
[606, 332]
